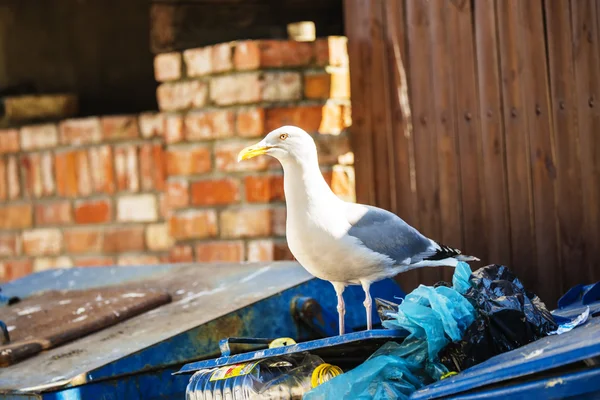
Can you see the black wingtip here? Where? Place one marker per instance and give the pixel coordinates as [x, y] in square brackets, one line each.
[443, 252]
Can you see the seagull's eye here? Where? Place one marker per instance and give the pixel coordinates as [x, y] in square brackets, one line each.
[283, 136]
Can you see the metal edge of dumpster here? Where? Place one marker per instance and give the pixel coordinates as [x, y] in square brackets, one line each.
[557, 366]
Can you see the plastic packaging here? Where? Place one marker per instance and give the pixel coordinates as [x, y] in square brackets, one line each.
[508, 317]
[286, 377]
[433, 316]
[385, 375]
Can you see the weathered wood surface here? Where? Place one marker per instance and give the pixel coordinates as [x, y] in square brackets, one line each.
[497, 149]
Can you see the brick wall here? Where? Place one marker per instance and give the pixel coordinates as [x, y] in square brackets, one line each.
[165, 186]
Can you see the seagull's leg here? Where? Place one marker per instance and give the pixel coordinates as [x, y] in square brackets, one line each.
[368, 303]
[341, 307]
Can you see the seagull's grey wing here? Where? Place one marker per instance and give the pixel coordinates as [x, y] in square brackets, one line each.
[386, 233]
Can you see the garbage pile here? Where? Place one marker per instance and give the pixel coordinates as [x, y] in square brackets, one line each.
[451, 327]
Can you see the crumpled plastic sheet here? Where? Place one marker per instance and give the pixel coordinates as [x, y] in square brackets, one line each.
[508, 317]
[433, 317]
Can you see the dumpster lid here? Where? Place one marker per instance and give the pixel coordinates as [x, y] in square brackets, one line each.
[365, 342]
[200, 293]
[544, 354]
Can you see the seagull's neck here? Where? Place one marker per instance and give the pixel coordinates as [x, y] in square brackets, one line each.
[304, 185]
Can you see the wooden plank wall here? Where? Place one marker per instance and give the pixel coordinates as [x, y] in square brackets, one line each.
[478, 122]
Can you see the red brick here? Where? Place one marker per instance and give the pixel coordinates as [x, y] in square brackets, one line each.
[251, 122]
[152, 167]
[120, 127]
[306, 117]
[181, 254]
[261, 250]
[281, 86]
[163, 209]
[236, 88]
[137, 208]
[3, 180]
[331, 51]
[93, 261]
[9, 141]
[15, 216]
[45, 263]
[151, 124]
[188, 161]
[31, 166]
[80, 131]
[242, 223]
[167, 67]
[264, 189]
[177, 194]
[15, 269]
[101, 169]
[83, 240]
[203, 125]
[247, 55]
[226, 158]
[54, 213]
[48, 184]
[288, 53]
[215, 192]
[84, 178]
[10, 245]
[281, 252]
[93, 211]
[126, 168]
[174, 129]
[222, 57]
[323, 85]
[328, 119]
[140, 259]
[13, 179]
[220, 251]
[40, 242]
[65, 170]
[158, 237]
[196, 224]
[181, 95]
[36, 137]
[124, 238]
[331, 148]
[198, 62]
[272, 53]
[278, 219]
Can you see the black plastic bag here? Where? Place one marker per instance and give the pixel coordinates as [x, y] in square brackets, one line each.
[508, 317]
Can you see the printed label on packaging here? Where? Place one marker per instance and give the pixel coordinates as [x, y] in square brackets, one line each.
[230, 371]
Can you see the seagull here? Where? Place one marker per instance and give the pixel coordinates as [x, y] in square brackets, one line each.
[337, 241]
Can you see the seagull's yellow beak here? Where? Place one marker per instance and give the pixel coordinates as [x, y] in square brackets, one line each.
[252, 151]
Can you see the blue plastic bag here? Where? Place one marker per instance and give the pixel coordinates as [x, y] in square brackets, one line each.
[433, 317]
[385, 375]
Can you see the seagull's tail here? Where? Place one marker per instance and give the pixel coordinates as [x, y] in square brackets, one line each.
[443, 252]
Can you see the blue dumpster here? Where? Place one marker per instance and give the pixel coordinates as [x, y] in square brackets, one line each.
[136, 358]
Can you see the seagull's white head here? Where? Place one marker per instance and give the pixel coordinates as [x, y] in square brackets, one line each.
[285, 144]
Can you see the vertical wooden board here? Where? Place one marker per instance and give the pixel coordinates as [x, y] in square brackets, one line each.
[566, 133]
[420, 92]
[536, 107]
[357, 24]
[493, 152]
[402, 145]
[468, 131]
[586, 41]
[517, 147]
[406, 206]
[380, 106]
[444, 39]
